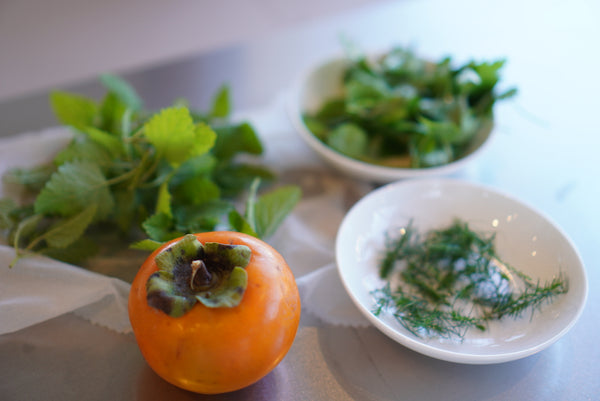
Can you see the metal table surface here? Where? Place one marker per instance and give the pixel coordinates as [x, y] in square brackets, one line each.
[545, 153]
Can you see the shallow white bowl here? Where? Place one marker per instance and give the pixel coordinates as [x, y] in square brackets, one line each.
[324, 82]
[524, 238]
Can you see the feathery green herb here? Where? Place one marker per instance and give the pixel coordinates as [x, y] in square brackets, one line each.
[452, 280]
[403, 111]
[155, 175]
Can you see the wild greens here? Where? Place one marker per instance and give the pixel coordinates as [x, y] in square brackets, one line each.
[400, 110]
[142, 174]
[451, 280]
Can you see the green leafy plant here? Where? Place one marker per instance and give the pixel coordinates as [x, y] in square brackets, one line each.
[400, 110]
[150, 177]
[452, 280]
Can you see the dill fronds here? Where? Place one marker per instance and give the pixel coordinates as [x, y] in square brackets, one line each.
[452, 280]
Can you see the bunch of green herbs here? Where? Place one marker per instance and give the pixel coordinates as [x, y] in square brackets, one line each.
[148, 177]
[452, 280]
[400, 110]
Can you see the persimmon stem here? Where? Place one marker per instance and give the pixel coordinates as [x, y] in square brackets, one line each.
[201, 278]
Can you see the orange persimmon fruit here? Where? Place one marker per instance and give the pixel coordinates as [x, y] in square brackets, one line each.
[220, 349]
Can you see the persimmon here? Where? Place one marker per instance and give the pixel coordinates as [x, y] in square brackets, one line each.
[212, 336]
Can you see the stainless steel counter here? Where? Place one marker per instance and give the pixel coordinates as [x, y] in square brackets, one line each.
[545, 153]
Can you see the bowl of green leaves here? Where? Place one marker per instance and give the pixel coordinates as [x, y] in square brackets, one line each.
[397, 115]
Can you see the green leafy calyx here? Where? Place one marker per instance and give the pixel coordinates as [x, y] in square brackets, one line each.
[189, 272]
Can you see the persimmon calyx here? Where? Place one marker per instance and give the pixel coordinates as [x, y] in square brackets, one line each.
[189, 272]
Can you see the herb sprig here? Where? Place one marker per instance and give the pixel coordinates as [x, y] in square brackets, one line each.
[452, 280]
[157, 175]
[401, 110]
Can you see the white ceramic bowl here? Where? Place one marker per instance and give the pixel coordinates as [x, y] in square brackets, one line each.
[524, 238]
[324, 82]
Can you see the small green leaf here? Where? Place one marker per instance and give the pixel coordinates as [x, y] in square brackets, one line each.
[73, 188]
[197, 190]
[175, 136]
[196, 166]
[146, 245]
[163, 203]
[271, 209]
[70, 230]
[172, 133]
[83, 149]
[234, 178]
[159, 227]
[74, 110]
[31, 178]
[204, 139]
[123, 90]
[221, 104]
[112, 111]
[348, 139]
[110, 142]
[232, 140]
[240, 224]
[202, 217]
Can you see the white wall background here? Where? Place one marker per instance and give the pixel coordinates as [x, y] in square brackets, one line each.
[46, 43]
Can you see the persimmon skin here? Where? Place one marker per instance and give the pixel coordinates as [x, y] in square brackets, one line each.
[219, 350]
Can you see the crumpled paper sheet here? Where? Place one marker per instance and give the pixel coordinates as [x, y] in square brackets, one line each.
[39, 288]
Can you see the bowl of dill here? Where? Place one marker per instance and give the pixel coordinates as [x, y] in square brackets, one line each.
[396, 115]
[460, 272]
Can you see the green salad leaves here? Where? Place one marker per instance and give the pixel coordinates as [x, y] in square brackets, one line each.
[150, 177]
[400, 110]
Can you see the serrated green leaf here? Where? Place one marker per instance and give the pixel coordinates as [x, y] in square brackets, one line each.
[112, 110]
[111, 143]
[197, 190]
[176, 137]
[160, 227]
[271, 209]
[74, 110]
[73, 188]
[202, 217]
[172, 132]
[221, 104]
[66, 232]
[123, 90]
[83, 149]
[31, 178]
[198, 166]
[204, 139]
